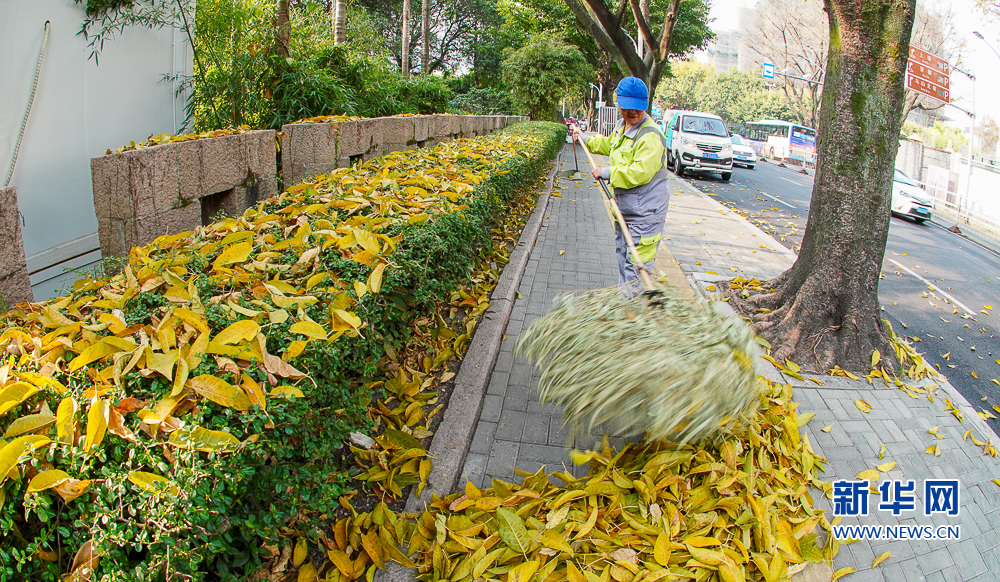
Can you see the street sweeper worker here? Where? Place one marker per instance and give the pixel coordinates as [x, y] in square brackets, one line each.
[638, 175]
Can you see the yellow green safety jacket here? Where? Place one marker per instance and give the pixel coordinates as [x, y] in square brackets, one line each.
[638, 171]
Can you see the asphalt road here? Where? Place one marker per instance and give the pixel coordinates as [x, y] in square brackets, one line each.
[938, 288]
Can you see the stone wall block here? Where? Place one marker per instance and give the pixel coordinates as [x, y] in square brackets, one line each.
[223, 163]
[165, 174]
[15, 286]
[466, 126]
[143, 169]
[261, 154]
[359, 138]
[397, 130]
[446, 126]
[109, 180]
[189, 174]
[423, 128]
[109, 232]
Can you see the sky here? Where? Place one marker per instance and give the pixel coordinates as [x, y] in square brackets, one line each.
[978, 58]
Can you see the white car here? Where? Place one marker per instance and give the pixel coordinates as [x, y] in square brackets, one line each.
[909, 199]
[699, 142]
[742, 153]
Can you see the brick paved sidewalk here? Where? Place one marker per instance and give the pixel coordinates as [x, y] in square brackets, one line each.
[514, 430]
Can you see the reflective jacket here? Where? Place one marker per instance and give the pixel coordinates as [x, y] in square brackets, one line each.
[638, 171]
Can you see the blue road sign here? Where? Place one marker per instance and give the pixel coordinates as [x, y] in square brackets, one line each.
[768, 70]
[657, 110]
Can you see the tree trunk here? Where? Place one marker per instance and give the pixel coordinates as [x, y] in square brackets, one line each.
[425, 34]
[282, 29]
[824, 311]
[405, 53]
[339, 8]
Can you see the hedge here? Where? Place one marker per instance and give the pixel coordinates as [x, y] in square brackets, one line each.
[168, 422]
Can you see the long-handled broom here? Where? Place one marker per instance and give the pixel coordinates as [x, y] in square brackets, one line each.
[672, 368]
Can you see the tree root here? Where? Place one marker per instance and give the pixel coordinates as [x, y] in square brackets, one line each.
[815, 323]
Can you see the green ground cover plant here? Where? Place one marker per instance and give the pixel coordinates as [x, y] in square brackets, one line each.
[170, 422]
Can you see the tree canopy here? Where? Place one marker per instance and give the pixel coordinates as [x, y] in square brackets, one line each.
[542, 72]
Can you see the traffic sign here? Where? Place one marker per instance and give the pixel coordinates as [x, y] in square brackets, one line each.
[768, 70]
[928, 74]
[657, 111]
[925, 87]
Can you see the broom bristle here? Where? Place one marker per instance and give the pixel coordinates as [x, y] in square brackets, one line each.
[675, 369]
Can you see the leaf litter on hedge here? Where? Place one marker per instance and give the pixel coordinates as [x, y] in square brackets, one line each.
[199, 354]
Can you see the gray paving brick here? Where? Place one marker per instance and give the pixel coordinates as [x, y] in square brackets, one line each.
[482, 441]
[503, 456]
[967, 558]
[510, 425]
[536, 429]
[475, 468]
[938, 559]
[492, 407]
[516, 397]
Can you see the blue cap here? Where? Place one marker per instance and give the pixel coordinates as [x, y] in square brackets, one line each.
[632, 94]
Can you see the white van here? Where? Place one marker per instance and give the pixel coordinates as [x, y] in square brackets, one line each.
[699, 142]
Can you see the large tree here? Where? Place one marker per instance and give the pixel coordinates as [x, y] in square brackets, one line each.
[824, 310]
[653, 24]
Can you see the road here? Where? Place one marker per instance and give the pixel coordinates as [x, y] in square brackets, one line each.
[938, 288]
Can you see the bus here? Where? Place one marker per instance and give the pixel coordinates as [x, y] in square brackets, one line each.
[782, 140]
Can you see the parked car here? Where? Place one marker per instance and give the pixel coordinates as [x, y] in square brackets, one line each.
[909, 199]
[699, 142]
[742, 153]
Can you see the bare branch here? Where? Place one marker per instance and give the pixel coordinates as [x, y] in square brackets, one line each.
[668, 28]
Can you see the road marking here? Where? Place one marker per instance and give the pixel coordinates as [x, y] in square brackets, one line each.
[793, 181]
[778, 200]
[933, 288]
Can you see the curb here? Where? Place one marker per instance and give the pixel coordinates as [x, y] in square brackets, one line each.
[451, 441]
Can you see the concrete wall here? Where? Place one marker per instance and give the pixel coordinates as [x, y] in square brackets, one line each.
[15, 286]
[315, 148]
[143, 194]
[82, 107]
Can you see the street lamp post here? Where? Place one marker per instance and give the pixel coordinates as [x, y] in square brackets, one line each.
[600, 91]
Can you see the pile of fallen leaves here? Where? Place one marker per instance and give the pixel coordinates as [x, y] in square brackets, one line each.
[329, 119]
[738, 510]
[164, 138]
[137, 388]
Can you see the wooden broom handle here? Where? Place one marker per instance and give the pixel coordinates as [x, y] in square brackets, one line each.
[647, 278]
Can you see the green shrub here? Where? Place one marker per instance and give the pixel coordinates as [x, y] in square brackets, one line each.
[293, 467]
[480, 101]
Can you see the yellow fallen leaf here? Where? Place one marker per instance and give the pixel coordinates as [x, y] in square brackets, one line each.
[309, 329]
[868, 475]
[881, 559]
[886, 467]
[881, 450]
[561, 253]
[841, 573]
[862, 405]
[827, 428]
[997, 481]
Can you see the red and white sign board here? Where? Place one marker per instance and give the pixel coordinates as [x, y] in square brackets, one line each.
[928, 74]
